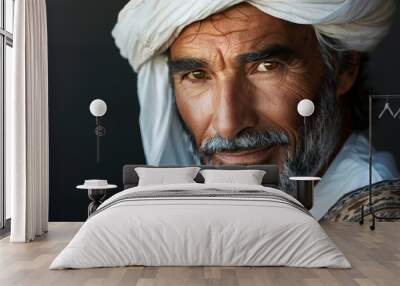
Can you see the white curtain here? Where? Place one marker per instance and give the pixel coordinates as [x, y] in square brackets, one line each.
[27, 145]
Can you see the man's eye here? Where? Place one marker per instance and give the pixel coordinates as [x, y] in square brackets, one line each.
[267, 66]
[197, 75]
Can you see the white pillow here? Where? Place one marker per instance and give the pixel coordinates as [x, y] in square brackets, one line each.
[162, 176]
[248, 177]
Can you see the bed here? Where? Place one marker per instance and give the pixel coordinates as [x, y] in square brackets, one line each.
[198, 224]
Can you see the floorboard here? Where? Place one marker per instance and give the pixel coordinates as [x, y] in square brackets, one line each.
[374, 255]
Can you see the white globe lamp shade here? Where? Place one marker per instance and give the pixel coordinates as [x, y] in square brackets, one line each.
[305, 107]
[98, 107]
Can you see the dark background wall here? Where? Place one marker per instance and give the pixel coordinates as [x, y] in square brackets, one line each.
[84, 64]
[385, 80]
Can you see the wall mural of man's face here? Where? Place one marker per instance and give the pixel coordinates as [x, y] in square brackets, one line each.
[238, 77]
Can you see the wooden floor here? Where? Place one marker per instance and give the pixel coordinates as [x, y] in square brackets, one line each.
[375, 257]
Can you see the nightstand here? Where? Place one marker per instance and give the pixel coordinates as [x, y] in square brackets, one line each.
[97, 190]
[305, 190]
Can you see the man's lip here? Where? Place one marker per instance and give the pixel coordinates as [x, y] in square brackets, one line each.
[245, 157]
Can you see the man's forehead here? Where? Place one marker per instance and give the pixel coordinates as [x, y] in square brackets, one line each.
[240, 28]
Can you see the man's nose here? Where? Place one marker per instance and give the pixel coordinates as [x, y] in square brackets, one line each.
[234, 108]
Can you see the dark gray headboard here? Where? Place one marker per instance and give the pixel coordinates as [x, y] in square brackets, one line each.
[271, 177]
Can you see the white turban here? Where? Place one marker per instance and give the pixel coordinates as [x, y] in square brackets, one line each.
[146, 28]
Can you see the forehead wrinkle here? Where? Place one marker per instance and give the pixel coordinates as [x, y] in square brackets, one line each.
[273, 37]
[195, 37]
[216, 33]
[259, 41]
[245, 11]
[212, 22]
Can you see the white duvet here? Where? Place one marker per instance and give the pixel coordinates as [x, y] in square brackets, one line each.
[183, 231]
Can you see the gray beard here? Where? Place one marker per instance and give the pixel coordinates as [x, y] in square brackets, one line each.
[323, 135]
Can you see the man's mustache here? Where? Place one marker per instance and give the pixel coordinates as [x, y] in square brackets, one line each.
[246, 139]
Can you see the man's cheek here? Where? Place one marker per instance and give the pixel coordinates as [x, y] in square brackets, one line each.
[279, 102]
[196, 111]
[277, 109]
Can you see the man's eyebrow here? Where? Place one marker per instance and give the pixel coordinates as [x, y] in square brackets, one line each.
[185, 64]
[271, 51]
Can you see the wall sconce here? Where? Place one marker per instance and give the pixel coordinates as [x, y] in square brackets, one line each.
[98, 108]
[305, 108]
